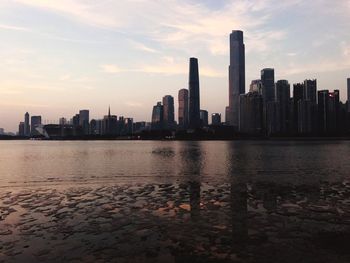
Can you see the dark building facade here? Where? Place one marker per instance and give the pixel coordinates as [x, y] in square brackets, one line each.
[35, 123]
[168, 112]
[251, 113]
[157, 117]
[26, 125]
[216, 119]
[194, 99]
[236, 77]
[310, 90]
[183, 108]
[204, 117]
[282, 96]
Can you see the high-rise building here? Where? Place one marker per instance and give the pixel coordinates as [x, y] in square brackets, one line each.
[109, 124]
[282, 96]
[194, 101]
[183, 108]
[348, 82]
[268, 84]
[216, 119]
[84, 120]
[168, 111]
[304, 116]
[256, 86]
[236, 77]
[62, 121]
[204, 117]
[35, 123]
[251, 113]
[21, 129]
[310, 90]
[298, 94]
[328, 111]
[157, 116]
[26, 125]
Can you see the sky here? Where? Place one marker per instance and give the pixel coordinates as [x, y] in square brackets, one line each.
[57, 57]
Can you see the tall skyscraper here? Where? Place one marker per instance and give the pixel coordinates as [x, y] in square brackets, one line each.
[251, 113]
[168, 112]
[157, 116]
[183, 108]
[26, 125]
[194, 102]
[310, 90]
[268, 84]
[298, 94]
[35, 123]
[282, 96]
[348, 82]
[236, 77]
[84, 120]
[21, 129]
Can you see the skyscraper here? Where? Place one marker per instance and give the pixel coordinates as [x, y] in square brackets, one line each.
[26, 125]
[157, 116]
[310, 90]
[216, 119]
[236, 77]
[282, 96]
[183, 108]
[84, 120]
[251, 113]
[268, 84]
[348, 82]
[194, 103]
[204, 117]
[168, 112]
[35, 123]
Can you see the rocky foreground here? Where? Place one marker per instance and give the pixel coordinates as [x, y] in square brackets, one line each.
[180, 222]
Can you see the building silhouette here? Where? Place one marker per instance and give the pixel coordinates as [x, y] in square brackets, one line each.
[282, 96]
[348, 86]
[204, 117]
[35, 123]
[216, 119]
[310, 90]
[26, 125]
[183, 108]
[168, 112]
[251, 113]
[194, 100]
[256, 86]
[268, 96]
[21, 128]
[236, 77]
[157, 117]
[84, 120]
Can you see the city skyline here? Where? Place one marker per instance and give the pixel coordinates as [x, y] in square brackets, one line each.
[46, 66]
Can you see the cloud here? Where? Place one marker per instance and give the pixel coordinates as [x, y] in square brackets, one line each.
[110, 68]
[16, 28]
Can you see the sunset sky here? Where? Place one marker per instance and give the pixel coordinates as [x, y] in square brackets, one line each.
[57, 57]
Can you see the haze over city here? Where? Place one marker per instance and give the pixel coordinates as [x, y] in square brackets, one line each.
[129, 54]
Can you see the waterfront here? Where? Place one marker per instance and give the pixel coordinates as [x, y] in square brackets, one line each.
[153, 201]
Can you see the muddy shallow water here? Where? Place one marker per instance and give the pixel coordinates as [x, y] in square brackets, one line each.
[202, 202]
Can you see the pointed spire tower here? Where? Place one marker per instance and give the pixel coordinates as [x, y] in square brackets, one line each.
[109, 111]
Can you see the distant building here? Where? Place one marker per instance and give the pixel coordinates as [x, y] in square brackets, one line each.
[21, 129]
[84, 120]
[204, 117]
[304, 117]
[139, 126]
[26, 125]
[256, 86]
[75, 120]
[236, 77]
[109, 124]
[2, 131]
[62, 121]
[168, 112]
[328, 111]
[310, 90]
[183, 108]
[251, 113]
[273, 118]
[298, 94]
[282, 96]
[268, 84]
[157, 117]
[35, 123]
[128, 126]
[194, 97]
[348, 82]
[216, 119]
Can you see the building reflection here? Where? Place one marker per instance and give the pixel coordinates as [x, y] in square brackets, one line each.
[192, 157]
[237, 161]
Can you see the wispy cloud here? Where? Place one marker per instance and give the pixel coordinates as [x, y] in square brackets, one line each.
[11, 27]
